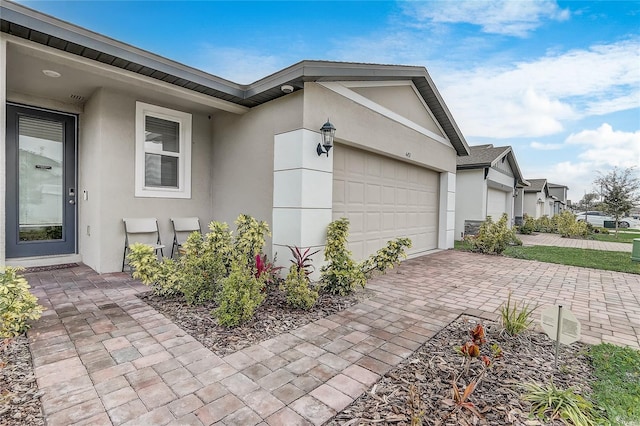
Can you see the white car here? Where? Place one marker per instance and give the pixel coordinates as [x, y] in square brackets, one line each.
[597, 218]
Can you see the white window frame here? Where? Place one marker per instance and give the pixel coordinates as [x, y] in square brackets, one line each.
[184, 158]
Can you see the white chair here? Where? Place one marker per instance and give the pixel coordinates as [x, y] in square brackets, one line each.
[182, 228]
[141, 230]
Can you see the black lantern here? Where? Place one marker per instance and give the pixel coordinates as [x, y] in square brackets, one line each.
[327, 131]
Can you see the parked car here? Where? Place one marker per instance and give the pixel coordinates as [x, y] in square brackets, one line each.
[597, 218]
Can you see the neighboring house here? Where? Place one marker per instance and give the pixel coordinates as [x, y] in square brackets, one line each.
[559, 195]
[538, 201]
[486, 183]
[143, 136]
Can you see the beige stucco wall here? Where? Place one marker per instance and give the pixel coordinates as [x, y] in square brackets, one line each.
[364, 128]
[242, 158]
[402, 100]
[471, 198]
[106, 171]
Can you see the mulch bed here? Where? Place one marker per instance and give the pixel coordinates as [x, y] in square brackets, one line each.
[19, 395]
[422, 385]
[271, 319]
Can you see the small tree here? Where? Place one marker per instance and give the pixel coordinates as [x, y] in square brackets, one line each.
[620, 190]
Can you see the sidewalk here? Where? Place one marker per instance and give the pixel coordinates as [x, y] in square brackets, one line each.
[556, 240]
[103, 357]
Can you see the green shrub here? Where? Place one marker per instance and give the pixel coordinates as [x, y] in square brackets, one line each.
[567, 226]
[296, 286]
[548, 402]
[240, 296]
[545, 224]
[387, 257]
[494, 237]
[516, 320]
[201, 267]
[162, 276]
[219, 242]
[597, 230]
[250, 238]
[341, 275]
[528, 225]
[204, 262]
[17, 304]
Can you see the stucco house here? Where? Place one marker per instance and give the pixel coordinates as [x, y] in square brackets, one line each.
[558, 193]
[538, 201]
[487, 181]
[127, 133]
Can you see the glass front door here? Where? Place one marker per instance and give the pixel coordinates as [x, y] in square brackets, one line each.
[41, 194]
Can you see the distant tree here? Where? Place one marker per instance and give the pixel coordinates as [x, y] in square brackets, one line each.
[587, 202]
[620, 190]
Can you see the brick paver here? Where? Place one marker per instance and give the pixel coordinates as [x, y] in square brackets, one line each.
[102, 356]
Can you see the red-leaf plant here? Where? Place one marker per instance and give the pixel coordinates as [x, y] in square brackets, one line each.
[266, 270]
[302, 259]
[470, 350]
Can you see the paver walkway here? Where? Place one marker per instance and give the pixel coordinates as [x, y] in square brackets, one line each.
[104, 357]
[556, 240]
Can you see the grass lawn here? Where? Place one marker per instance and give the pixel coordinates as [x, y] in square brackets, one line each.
[623, 237]
[608, 260]
[617, 386]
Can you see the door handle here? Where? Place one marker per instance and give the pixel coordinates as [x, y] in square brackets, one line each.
[72, 201]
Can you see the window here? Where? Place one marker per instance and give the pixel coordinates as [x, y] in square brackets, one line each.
[163, 152]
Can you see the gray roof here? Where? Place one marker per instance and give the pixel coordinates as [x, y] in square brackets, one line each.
[537, 185]
[29, 24]
[556, 185]
[482, 156]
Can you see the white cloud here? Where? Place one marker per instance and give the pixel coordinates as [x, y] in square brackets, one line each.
[546, 146]
[534, 98]
[508, 17]
[605, 146]
[600, 150]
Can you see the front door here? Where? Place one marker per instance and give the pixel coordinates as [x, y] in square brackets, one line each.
[41, 182]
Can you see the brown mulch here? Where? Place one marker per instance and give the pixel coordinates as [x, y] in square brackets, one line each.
[19, 395]
[421, 387]
[271, 319]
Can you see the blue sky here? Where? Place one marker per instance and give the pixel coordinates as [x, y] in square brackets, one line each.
[559, 81]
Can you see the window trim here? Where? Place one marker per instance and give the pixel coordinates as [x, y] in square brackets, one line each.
[184, 160]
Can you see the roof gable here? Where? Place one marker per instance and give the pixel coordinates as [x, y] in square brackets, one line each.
[402, 99]
[482, 156]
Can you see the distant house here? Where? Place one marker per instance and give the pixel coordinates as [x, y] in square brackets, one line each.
[486, 183]
[537, 200]
[140, 135]
[559, 195]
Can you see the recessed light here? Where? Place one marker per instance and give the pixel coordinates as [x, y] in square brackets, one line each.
[51, 73]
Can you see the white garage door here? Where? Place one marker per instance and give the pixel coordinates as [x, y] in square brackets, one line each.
[384, 199]
[496, 203]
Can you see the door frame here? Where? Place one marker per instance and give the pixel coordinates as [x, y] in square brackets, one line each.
[68, 244]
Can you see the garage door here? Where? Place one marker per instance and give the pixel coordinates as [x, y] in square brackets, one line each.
[496, 203]
[384, 199]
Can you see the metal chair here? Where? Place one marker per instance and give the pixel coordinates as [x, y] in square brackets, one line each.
[144, 231]
[182, 228]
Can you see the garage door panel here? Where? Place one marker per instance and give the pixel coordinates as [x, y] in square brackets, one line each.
[401, 197]
[374, 194]
[374, 222]
[399, 200]
[496, 203]
[389, 195]
[374, 166]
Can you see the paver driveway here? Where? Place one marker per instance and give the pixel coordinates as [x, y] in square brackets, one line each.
[104, 357]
